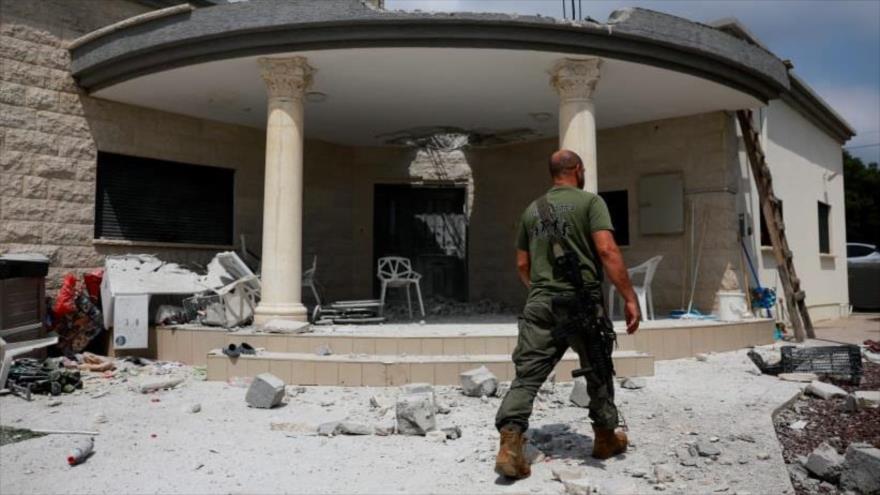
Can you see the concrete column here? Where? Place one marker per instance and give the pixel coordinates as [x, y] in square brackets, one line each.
[286, 80]
[574, 81]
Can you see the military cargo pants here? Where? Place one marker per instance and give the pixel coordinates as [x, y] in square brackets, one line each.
[535, 356]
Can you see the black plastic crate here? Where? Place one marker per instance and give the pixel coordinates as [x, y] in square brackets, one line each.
[838, 360]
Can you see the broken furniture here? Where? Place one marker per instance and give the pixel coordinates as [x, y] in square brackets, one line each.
[355, 311]
[641, 277]
[396, 272]
[230, 296]
[837, 360]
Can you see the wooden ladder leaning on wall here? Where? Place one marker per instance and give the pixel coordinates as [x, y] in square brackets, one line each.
[795, 297]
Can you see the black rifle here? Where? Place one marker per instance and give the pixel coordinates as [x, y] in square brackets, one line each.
[584, 321]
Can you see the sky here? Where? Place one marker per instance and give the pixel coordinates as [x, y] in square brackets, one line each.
[834, 45]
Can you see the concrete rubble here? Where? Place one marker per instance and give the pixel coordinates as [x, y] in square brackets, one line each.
[579, 395]
[824, 390]
[478, 382]
[798, 377]
[266, 391]
[861, 471]
[825, 463]
[415, 410]
[366, 455]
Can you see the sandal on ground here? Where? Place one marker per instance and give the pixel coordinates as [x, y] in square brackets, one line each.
[232, 351]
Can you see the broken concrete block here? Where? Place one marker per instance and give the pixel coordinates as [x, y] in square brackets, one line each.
[386, 427]
[329, 429]
[436, 436]
[266, 391]
[701, 356]
[353, 428]
[415, 414]
[825, 463]
[798, 377]
[825, 390]
[287, 326]
[478, 382]
[861, 471]
[707, 449]
[867, 398]
[579, 395]
[633, 383]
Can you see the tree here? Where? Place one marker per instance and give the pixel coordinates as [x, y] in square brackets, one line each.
[862, 189]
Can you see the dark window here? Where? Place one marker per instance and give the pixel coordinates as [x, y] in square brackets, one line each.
[824, 230]
[142, 199]
[765, 234]
[618, 206]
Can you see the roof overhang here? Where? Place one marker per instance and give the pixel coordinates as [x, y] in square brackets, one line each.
[259, 27]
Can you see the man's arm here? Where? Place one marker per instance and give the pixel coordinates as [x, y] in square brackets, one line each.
[612, 260]
[523, 267]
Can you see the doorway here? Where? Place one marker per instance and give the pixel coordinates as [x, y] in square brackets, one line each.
[428, 225]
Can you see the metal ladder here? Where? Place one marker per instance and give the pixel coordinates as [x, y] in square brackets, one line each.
[771, 208]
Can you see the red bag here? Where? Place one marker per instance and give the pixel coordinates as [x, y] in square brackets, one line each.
[65, 303]
[93, 283]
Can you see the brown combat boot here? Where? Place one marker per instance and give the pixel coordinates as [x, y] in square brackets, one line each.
[511, 460]
[608, 443]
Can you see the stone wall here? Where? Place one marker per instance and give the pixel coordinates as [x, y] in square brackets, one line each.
[50, 133]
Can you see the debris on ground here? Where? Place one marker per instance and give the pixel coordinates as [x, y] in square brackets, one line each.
[817, 454]
[81, 451]
[633, 383]
[824, 390]
[415, 410]
[479, 382]
[266, 391]
[579, 395]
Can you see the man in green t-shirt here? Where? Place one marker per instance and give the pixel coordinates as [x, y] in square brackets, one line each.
[579, 220]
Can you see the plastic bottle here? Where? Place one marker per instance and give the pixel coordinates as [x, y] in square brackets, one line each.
[82, 451]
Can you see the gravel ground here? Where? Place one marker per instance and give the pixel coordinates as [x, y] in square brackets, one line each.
[150, 444]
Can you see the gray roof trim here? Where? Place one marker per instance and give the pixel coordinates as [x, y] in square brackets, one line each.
[806, 102]
[799, 96]
[266, 27]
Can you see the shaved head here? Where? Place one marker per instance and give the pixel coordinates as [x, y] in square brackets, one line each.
[564, 162]
[566, 167]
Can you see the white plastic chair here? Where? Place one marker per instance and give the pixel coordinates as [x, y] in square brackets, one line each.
[645, 273]
[396, 272]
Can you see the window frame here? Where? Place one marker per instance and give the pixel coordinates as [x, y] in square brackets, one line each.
[205, 193]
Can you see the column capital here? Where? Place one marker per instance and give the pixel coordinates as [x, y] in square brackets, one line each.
[287, 77]
[575, 78]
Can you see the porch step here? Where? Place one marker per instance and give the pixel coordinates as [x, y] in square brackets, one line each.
[355, 370]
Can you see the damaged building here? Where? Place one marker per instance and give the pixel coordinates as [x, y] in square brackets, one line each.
[327, 135]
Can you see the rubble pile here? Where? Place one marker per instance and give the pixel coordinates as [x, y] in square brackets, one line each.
[831, 433]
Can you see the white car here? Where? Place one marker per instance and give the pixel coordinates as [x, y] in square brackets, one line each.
[863, 267]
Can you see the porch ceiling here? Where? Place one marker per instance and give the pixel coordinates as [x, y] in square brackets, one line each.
[374, 93]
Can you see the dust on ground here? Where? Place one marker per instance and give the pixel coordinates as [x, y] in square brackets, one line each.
[153, 443]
